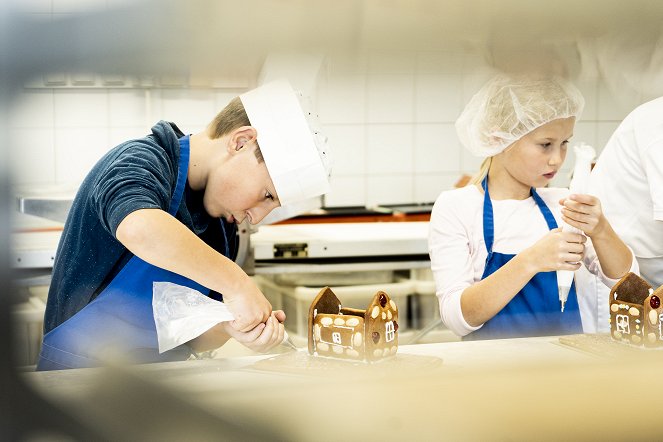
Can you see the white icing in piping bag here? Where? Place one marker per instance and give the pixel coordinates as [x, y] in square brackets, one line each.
[585, 154]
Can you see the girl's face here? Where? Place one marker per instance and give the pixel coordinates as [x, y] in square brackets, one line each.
[534, 159]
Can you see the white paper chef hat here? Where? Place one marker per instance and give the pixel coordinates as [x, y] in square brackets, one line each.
[295, 151]
[507, 108]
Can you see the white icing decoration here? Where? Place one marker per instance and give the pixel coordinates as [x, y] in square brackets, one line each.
[384, 316]
[316, 331]
[326, 321]
[323, 347]
[337, 349]
[375, 312]
[336, 337]
[393, 304]
[357, 339]
[352, 322]
[389, 315]
[339, 321]
[634, 311]
[614, 307]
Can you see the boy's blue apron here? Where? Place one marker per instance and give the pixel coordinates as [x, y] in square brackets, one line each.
[120, 322]
[535, 310]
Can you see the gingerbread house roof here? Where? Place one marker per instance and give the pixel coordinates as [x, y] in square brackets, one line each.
[632, 289]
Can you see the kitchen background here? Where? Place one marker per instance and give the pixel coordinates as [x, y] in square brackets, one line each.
[389, 115]
[388, 79]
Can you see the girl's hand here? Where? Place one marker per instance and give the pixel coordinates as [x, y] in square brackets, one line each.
[557, 250]
[584, 212]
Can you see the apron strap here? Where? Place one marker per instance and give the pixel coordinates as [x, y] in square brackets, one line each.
[489, 221]
[547, 214]
[182, 171]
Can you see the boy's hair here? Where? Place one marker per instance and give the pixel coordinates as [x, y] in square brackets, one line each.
[231, 117]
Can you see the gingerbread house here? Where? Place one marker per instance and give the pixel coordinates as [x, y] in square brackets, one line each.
[636, 313]
[348, 333]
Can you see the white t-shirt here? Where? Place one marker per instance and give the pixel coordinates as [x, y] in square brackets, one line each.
[628, 180]
[458, 251]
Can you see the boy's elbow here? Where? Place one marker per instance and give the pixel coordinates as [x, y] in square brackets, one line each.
[133, 229]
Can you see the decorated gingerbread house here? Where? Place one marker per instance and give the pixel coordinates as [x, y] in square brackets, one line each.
[348, 333]
[636, 313]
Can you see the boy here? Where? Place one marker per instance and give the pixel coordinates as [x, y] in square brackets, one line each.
[165, 208]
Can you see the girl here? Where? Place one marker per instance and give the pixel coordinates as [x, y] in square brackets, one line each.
[495, 245]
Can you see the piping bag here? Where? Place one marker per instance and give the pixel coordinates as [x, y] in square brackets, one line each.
[182, 313]
[585, 154]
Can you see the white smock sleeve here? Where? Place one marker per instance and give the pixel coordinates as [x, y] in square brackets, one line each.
[653, 164]
[451, 261]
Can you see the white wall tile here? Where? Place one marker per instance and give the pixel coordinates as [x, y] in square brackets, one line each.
[589, 89]
[390, 98]
[390, 149]
[77, 150]
[604, 131]
[346, 191]
[342, 99]
[439, 62]
[437, 97]
[436, 148]
[584, 132]
[427, 187]
[33, 108]
[348, 148]
[190, 109]
[222, 98]
[118, 135]
[76, 108]
[389, 189]
[128, 107]
[34, 162]
[615, 105]
[403, 62]
[469, 164]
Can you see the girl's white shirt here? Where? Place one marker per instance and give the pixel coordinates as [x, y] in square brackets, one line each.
[458, 251]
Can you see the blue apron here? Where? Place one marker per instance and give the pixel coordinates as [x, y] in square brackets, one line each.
[119, 323]
[535, 310]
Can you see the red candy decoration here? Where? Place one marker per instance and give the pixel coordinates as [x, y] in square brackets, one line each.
[395, 326]
[383, 300]
[654, 301]
[376, 337]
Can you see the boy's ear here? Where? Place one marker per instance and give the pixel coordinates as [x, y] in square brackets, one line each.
[242, 136]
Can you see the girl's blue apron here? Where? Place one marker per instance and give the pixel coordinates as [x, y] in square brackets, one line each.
[119, 323]
[535, 310]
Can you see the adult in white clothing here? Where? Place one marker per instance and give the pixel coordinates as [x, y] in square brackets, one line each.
[495, 245]
[628, 179]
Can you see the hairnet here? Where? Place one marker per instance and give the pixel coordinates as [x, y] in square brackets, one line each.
[507, 108]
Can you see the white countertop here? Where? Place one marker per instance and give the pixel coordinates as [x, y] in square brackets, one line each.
[515, 389]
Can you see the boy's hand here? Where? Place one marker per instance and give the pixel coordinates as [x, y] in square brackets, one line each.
[263, 337]
[583, 212]
[250, 308]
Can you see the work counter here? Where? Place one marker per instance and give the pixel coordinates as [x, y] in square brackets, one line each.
[516, 389]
